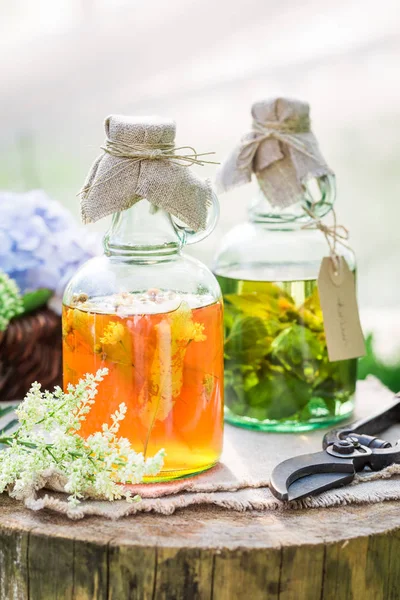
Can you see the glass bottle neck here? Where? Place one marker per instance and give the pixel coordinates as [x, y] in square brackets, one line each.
[143, 232]
[319, 196]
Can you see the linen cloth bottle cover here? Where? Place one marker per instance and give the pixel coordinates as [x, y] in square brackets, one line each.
[280, 150]
[140, 161]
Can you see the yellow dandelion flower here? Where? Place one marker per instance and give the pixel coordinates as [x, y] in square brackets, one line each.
[198, 334]
[113, 333]
[284, 304]
[183, 328]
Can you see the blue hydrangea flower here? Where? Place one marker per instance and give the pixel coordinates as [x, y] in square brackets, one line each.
[41, 245]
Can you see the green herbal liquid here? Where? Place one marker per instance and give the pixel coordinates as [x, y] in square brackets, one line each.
[277, 373]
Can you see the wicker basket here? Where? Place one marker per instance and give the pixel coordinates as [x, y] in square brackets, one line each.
[30, 350]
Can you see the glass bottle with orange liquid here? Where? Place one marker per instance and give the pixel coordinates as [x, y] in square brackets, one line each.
[153, 317]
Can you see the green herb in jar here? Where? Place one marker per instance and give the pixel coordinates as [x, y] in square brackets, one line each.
[277, 371]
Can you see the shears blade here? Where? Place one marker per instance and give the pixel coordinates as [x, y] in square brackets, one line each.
[307, 474]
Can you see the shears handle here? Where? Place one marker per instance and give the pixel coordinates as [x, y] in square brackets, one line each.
[367, 427]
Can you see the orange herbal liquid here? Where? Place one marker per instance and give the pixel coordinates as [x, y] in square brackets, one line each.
[166, 366]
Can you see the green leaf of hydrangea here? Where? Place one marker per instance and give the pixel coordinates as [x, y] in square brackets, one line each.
[36, 299]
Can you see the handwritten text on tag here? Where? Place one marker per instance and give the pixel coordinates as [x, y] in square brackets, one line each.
[337, 292]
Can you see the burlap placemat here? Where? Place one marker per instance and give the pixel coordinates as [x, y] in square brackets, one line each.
[240, 481]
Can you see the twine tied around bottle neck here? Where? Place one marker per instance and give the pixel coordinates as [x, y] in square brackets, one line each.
[284, 132]
[140, 160]
[333, 234]
[280, 150]
[138, 152]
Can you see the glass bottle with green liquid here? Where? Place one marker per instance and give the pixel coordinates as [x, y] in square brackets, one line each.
[278, 376]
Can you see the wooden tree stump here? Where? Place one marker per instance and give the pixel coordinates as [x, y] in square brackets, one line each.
[345, 553]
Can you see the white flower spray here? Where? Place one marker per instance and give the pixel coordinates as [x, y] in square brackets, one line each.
[47, 442]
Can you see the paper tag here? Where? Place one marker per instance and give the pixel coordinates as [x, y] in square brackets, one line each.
[337, 293]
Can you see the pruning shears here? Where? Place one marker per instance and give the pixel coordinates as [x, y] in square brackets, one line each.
[345, 452]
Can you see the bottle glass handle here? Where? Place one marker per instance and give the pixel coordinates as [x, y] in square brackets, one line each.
[188, 236]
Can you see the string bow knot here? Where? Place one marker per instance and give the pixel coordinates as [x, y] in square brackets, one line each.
[280, 150]
[139, 161]
[137, 152]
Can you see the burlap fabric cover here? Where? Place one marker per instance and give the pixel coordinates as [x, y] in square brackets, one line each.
[280, 150]
[139, 161]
